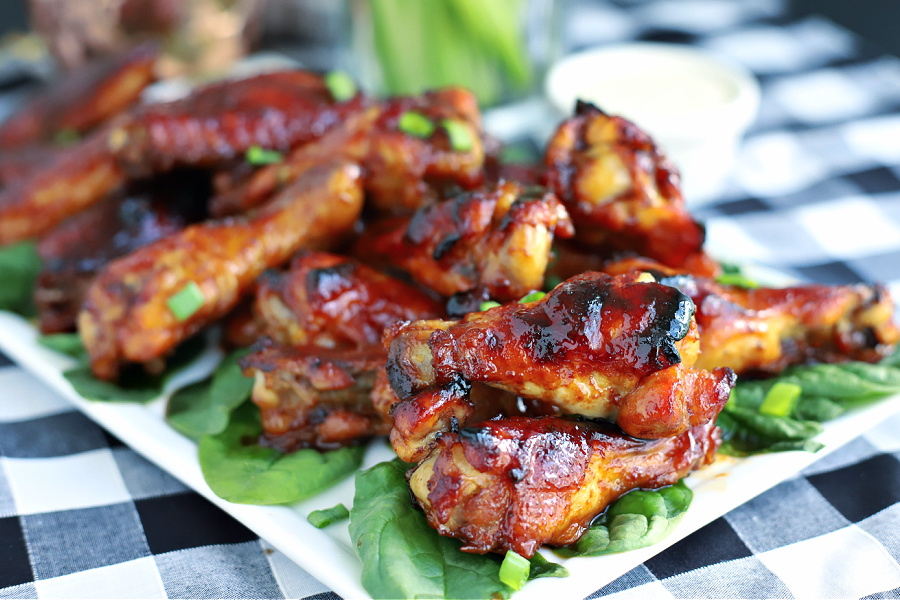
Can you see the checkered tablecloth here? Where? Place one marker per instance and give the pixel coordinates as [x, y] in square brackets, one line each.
[816, 193]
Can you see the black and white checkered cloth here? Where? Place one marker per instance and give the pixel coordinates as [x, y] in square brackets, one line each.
[816, 194]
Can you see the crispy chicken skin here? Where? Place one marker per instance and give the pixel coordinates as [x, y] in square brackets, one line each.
[622, 192]
[402, 171]
[223, 120]
[516, 484]
[76, 178]
[310, 396]
[332, 301]
[497, 240]
[82, 100]
[76, 251]
[602, 347]
[764, 330]
[125, 315]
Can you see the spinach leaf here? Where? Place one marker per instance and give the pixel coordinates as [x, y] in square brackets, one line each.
[69, 344]
[19, 268]
[204, 407]
[402, 557]
[541, 567]
[827, 391]
[239, 470]
[135, 384]
[638, 519]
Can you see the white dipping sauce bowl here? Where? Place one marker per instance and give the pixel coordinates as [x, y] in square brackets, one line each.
[694, 105]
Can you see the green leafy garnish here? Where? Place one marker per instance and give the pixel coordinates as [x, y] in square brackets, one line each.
[135, 384]
[638, 519]
[736, 279]
[239, 470]
[185, 303]
[459, 134]
[341, 85]
[533, 296]
[69, 344]
[402, 557]
[415, 124]
[785, 412]
[488, 305]
[19, 268]
[514, 570]
[541, 567]
[204, 407]
[325, 517]
[260, 156]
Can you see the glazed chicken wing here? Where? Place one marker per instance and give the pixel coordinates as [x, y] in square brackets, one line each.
[622, 193]
[126, 315]
[317, 397]
[602, 347]
[497, 240]
[76, 251]
[402, 171]
[82, 100]
[223, 120]
[765, 330]
[331, 301]
[516, 484]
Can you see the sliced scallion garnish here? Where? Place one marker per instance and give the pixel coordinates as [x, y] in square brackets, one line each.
[488, 305]
[415, 124]
[325, 517]
[780, 399]
[341, 85]
[459, 134]
[260, 156]
[185, 303]
[532, 297]
[514, 570]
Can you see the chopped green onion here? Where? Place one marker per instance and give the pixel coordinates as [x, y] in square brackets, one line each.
[260, 156]
[327, 516]
[66, 137]
[736, 279]
[532, 297]
[341, 86]
[488, 305]
[186, 302]
[514, 570]
[780, 399]
[415, 124]
[459, 134]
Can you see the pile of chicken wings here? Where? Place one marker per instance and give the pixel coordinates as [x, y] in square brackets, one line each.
[383, 264]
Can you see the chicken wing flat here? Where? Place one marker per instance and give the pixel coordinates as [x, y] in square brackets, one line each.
[403, 171]
[497, 240]
[223, 120]
[516, 484]
[78, 177]
[332, 301]
[84, 99]
[126, 316]
[316, 397]
[765, 330]
[76, 251]
[622, 192]
[602, 347]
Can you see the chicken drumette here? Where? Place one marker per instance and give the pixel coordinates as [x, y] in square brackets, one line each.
[622, 192]
[601, 347]
[764, 330]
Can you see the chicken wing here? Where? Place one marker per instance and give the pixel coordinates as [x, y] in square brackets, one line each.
[516, 484]
[316, 397]
[76, 178]
[223, 120]
[403, 171]
[126, 315]
[765, 330]
[83, 99]
[602, 347]
[497, 240]
[331, 301]
[73, 253]
[622, 192]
